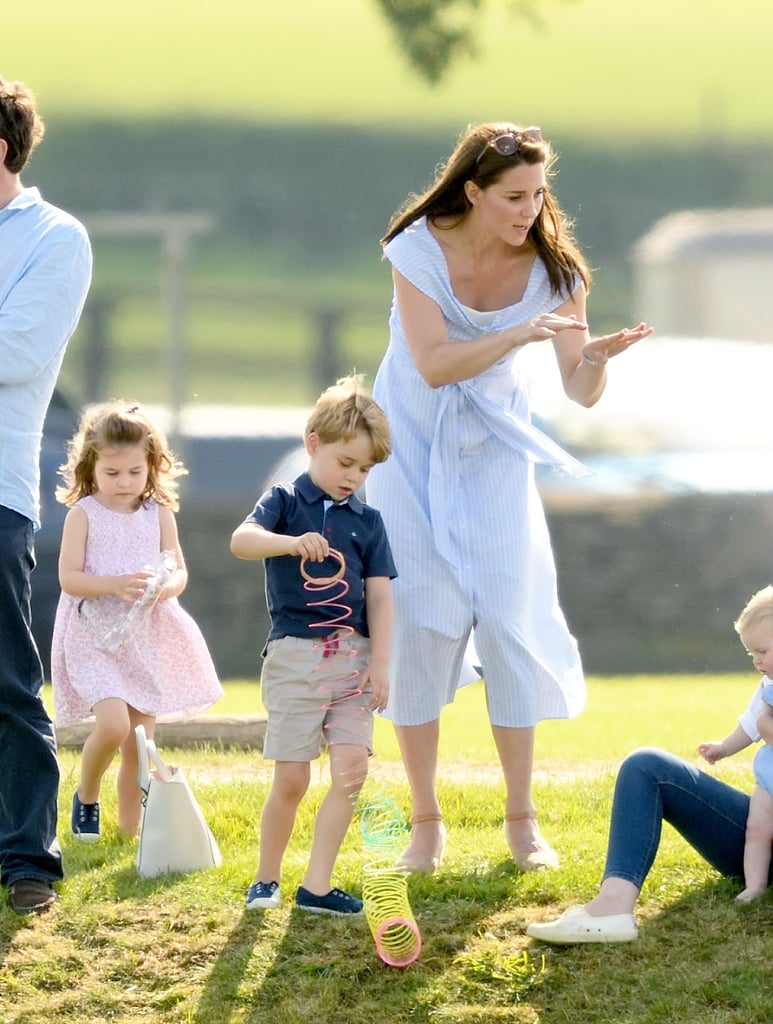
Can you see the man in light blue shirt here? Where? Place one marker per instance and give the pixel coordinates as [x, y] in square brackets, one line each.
[45, 271]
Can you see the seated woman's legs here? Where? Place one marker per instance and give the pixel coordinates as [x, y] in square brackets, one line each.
[653, 786]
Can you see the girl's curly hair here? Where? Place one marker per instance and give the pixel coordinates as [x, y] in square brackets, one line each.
[108, 426]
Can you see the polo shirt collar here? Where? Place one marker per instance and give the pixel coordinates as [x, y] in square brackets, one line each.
[27, 197]
[311, 493]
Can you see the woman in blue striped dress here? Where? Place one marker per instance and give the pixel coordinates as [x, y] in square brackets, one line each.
[483, 264]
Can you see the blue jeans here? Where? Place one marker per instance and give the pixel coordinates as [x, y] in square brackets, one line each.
[29, 771]
[654, 786]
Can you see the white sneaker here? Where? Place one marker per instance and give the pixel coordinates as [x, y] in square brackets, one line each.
[577, 925]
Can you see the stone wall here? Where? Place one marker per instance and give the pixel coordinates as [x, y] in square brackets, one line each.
[655, 586]
[651, 585]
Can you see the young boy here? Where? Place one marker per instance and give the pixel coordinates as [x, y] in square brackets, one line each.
[328, 573]
[755, 628]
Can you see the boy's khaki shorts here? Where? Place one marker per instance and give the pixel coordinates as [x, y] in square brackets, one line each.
[310, 689]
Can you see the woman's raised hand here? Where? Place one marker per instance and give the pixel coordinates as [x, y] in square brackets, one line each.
[602, 349]
[544, 327]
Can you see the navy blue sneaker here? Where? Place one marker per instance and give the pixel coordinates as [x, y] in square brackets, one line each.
[263, 896]
[336, 902]
[85, 820]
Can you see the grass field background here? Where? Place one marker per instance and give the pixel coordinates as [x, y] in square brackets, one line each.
[300, 128]
[586, 68]
[629, 84]
[622, 712]
[180, 949]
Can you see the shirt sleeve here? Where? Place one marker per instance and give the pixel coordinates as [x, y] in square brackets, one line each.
[748, 720]
[412, 255]
[378, 559]
[269, 511]
[42, 309]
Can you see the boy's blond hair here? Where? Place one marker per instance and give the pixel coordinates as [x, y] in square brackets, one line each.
[345, 409]
[758, 611]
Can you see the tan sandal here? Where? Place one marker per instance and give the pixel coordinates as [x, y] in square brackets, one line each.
[539, 855]
[423, 863]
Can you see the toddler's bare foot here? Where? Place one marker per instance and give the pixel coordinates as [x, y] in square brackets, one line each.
[749, 894]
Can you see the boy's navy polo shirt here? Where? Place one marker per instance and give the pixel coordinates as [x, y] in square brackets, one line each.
[353, 528]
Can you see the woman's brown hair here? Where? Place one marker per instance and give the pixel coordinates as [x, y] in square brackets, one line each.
[476, 159]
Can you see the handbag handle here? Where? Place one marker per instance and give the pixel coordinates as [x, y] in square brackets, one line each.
[146, 752]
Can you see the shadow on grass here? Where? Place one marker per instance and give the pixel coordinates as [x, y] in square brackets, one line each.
[229, 972]
[11, 923]
[326, 969]
[81, 858]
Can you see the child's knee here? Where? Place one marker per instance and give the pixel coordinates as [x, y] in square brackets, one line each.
[291, 780]
[349, 770]
[111, 732]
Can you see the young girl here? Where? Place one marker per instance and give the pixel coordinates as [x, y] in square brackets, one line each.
[123, 649]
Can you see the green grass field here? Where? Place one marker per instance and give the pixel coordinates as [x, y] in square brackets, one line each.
[669, 711]
[676, 712]
[588, 67]
[180, 949]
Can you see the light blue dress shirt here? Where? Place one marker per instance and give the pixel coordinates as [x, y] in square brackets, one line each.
[45, 272]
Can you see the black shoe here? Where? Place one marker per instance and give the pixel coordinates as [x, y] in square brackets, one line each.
[31, 896]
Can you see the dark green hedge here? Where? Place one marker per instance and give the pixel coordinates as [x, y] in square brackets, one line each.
[318, 195]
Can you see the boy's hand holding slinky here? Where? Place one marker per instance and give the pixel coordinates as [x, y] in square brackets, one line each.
[312, 546]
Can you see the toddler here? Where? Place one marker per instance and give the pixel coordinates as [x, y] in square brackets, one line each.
[755, 628]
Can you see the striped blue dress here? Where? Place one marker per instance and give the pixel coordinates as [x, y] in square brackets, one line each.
[465, 521]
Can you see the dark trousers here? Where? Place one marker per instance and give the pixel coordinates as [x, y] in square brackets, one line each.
[29, 771]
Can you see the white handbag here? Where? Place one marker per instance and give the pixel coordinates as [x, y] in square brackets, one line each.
[174, 835]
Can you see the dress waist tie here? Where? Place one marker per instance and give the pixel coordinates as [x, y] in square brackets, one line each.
[525, 440]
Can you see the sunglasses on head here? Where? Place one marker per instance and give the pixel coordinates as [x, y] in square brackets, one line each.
[509, 143]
